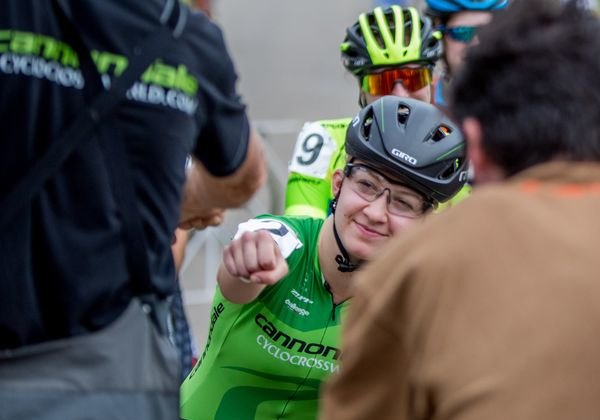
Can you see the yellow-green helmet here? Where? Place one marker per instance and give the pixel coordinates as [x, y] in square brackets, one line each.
[390, 37]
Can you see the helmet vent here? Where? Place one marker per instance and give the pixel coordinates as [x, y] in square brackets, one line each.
[351, 52]
[390, 19]
[366, 125]
[408, 28]
[374, 28]
[403, 113]
[378, 37]
[441, 132]
[451, 169]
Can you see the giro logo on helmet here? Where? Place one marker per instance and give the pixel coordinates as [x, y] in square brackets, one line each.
[404, 156]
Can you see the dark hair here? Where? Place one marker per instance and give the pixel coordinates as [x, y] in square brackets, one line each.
[533, 82]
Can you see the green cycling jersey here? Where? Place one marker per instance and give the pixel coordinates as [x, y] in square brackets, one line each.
[267, 359]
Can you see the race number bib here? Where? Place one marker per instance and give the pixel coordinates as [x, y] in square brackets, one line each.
[313, 151]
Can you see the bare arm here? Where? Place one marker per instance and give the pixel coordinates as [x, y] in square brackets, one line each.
[178, 247]
[206, 196]
[250, 263]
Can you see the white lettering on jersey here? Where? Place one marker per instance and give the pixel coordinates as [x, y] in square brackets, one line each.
[301, 298]
[310, 362]
[295, 308]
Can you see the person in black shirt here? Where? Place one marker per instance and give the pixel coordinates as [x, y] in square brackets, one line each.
[64, 271]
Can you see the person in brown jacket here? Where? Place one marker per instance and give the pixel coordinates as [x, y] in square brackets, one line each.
[491, 310]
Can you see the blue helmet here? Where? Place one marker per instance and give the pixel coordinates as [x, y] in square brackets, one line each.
[447, 7]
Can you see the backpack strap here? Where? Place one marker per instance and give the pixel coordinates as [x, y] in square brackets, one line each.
[86, 122]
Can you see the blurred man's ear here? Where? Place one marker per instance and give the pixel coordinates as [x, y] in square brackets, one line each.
[484, 167]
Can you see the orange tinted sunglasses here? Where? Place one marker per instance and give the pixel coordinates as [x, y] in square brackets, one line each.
[383, 82]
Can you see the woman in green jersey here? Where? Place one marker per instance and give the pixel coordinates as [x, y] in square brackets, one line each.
[285, 281]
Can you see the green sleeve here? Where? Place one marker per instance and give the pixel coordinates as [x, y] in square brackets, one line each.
[318, 147]
[307, 196]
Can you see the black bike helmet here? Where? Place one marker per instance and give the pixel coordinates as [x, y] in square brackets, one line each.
[413, 140]
[390, 37]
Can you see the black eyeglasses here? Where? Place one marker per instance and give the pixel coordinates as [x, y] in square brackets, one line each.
[369, 185]
[464, 34]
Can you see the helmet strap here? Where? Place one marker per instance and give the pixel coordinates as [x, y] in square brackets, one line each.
[343, 260]
[362, 100]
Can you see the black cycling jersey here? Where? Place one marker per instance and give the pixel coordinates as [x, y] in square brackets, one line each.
[62, 263]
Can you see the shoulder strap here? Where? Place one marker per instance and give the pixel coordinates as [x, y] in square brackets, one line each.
[87, 123]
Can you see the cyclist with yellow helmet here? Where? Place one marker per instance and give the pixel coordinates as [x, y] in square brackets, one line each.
[391, 51]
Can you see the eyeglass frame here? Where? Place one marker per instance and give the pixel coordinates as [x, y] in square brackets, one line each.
[425, 207]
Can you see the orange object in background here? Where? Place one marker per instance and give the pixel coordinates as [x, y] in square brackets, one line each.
[204, 5]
